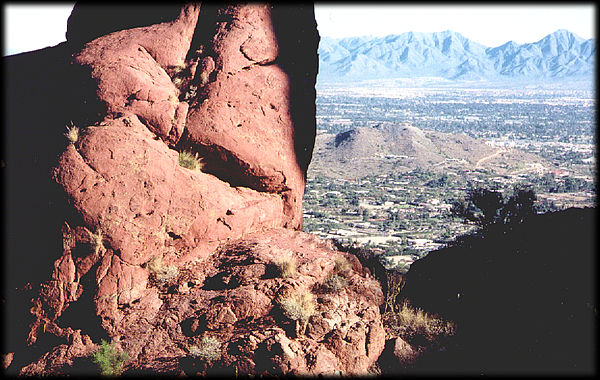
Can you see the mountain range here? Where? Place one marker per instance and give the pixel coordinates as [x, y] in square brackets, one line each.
[450, 55]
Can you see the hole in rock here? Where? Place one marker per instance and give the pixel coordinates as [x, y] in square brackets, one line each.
[173, 235]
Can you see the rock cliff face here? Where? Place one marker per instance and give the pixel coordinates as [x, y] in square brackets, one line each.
[131, 247]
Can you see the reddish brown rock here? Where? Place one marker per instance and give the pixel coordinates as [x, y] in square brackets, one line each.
[155, 256]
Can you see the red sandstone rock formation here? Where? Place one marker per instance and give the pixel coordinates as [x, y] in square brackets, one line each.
[234, 84]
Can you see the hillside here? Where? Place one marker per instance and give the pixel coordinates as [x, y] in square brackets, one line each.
[523, 297]
[560, 55]
[402, 147]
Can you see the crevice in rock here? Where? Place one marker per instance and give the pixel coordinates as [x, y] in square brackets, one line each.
[224, 222]
[82, 313]
[227, 167]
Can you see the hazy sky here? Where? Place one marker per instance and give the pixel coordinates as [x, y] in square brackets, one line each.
[35, 26]
[490, 25]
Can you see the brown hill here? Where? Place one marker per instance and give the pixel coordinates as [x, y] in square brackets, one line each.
[384, 148]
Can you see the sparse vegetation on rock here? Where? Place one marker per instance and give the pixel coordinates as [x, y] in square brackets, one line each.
[96, 240]
[286, 265]
[299, 306]
[334, 283]
[190, 161]
[161, 272]
[109, 360]
[208, 349]
[72, 133]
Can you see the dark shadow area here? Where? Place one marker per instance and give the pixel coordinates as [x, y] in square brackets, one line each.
[81, 314]
[205, 29]
[298, 39]
[263, 359]
[193, 326]
[38, 106]
[522, 295]
[221, 281]
[90, 21]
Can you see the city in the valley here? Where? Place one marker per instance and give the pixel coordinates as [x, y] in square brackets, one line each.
[390, 160]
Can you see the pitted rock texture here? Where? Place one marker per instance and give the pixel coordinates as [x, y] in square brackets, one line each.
[129, 246]
[233, 295]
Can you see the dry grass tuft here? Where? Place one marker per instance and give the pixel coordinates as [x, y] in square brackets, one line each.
[96, 240]
[190, 161]
[209, 349]
[342, 265]
[161, 272]
[72, 133]
[286, 266]
[412, 322]
[299, 306]
[334, 283]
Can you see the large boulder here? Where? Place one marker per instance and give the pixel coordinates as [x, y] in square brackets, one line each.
[131, 247]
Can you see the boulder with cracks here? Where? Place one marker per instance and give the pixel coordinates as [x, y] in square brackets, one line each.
[154, 256]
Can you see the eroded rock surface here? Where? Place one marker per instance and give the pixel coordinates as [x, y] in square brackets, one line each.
[152, 255]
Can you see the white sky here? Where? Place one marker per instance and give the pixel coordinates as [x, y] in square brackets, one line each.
[35, 26]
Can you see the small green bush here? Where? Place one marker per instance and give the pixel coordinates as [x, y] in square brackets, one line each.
[190, 161]
[208, 350]
[72, 133]
[109, 361]
[298, 307]
[162, 273]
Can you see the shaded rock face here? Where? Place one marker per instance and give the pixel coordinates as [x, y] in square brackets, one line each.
[131, 247]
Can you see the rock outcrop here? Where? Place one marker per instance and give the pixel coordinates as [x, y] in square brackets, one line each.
[133, 248]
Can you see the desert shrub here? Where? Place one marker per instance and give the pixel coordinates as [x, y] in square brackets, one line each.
[485, 207]
[177, 69]
[334, 283]
[411, 323]
[203, 78]
[109, 361]
[161, 272]
[286, 266]
[368, 259]
[190, 161]
[395, 283]
[342, 265]
[209, 349]
[298, 307]
[72, 133]
[96, 240]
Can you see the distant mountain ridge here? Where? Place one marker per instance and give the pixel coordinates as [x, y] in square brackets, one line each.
[452, 56]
